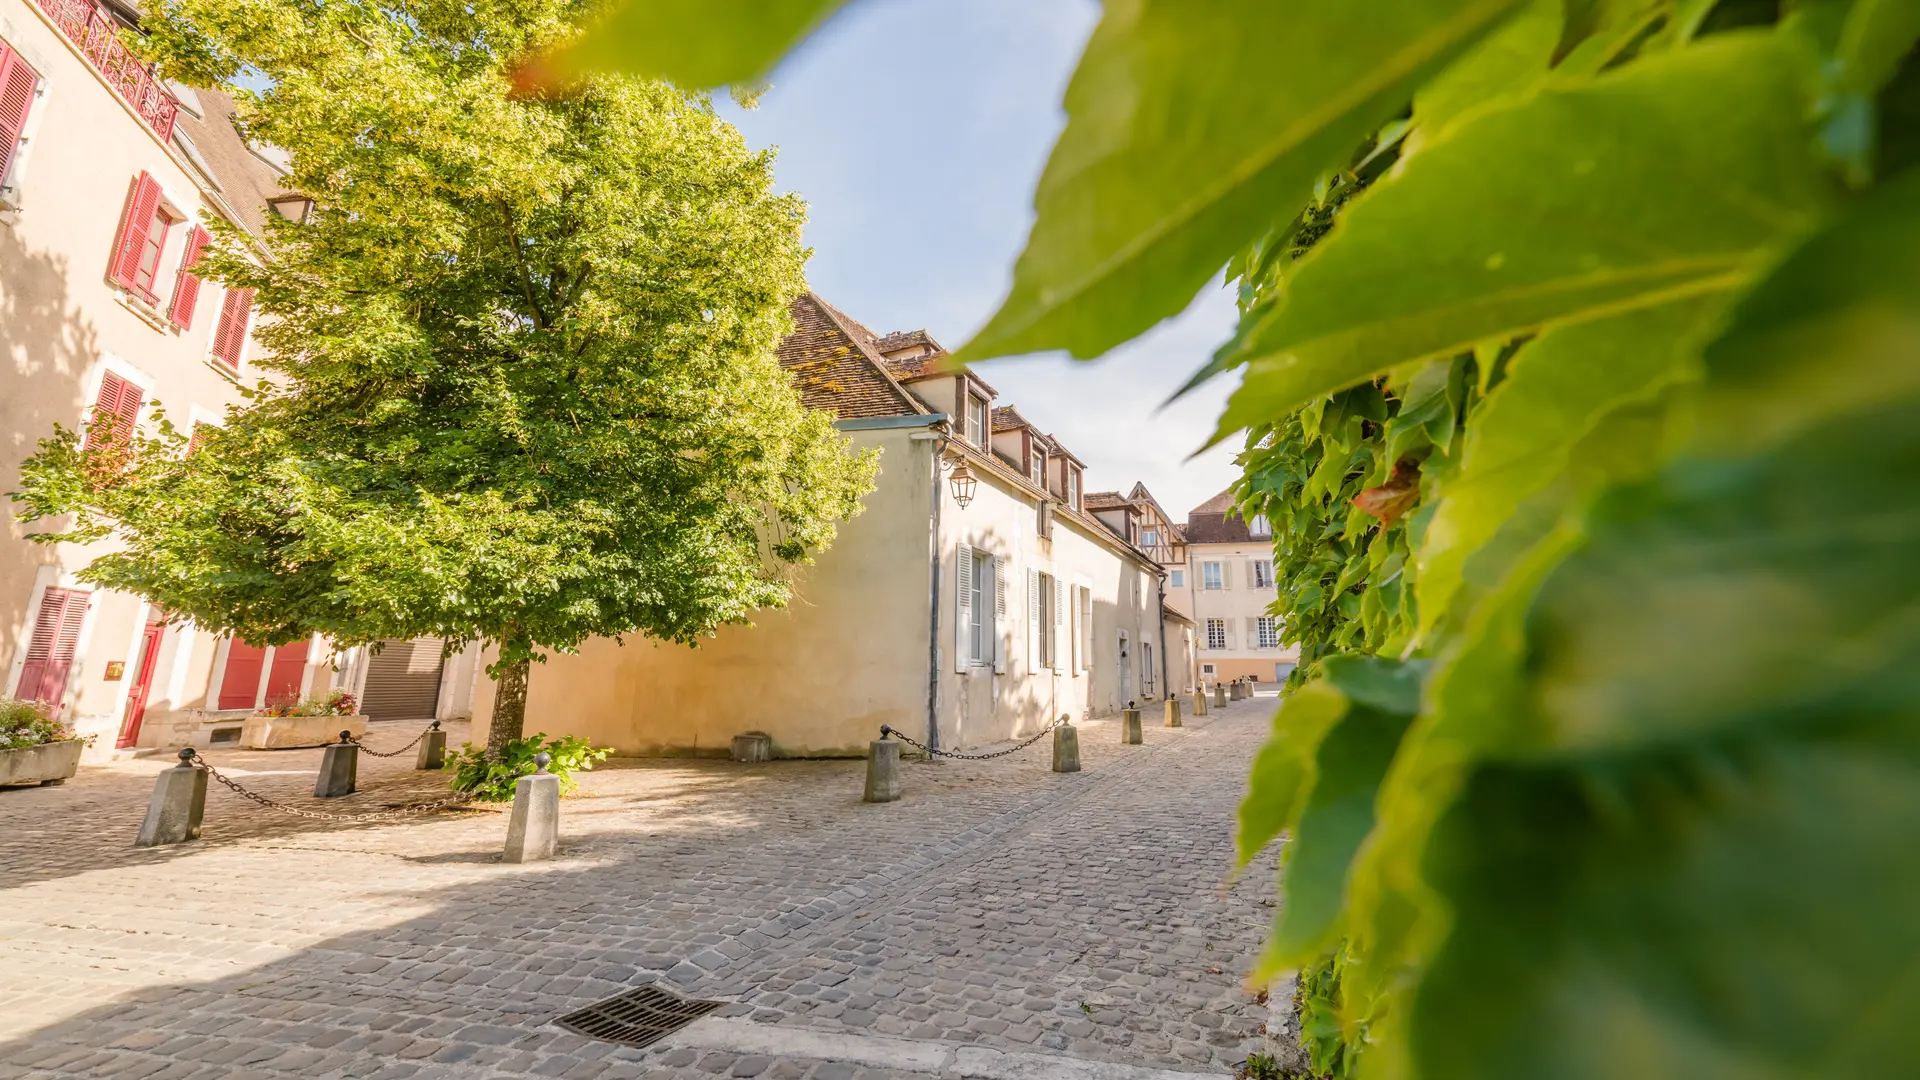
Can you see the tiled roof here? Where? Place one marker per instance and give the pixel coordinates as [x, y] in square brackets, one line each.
[910, 368]
[245, 180]
[1217, 529]
[904, 339]
[832, 361]
[1219, 504]
[1007, 418]
[1105, 500]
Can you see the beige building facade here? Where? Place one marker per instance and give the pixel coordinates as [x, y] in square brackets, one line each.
[1231, 584]
[974, 599]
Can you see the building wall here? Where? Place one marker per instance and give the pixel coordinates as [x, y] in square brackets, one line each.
[1238, 603]
[848, 654]
[62, 326]
[982, 705]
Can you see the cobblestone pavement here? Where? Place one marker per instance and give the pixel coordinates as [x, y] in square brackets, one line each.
[1000, 920]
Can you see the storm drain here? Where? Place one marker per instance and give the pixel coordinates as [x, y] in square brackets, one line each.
[640, 1017]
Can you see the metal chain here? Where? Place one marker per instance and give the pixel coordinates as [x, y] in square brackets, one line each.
[887, 732]
[456, 799]
[364, 748]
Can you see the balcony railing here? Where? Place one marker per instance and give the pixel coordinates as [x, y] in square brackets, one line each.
[89, 26]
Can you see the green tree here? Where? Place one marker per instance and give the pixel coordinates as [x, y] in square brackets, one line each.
[523, 354]
[1628, 789]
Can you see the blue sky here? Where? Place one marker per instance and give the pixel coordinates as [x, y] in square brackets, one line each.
[916, 129]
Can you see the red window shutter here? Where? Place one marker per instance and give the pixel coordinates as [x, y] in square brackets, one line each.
[17, 83]
[193, 441]
[180, 313]
[289, 667]
[138, 220]
[56, 636]
[241, 683]
[119, 403]
[231, 334]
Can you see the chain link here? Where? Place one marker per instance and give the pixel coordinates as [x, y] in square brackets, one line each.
[887, 732]
[364, 748]
[455, 799]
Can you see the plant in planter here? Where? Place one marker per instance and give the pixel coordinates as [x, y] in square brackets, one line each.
[35, 748]
[338, 703]
[491, 776]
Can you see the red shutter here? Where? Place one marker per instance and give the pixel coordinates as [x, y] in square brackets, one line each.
[193, 441]
[56, 634]
[119, 403]
[17, 82]
[187, 290]
[129, 252]
[241, 683]
[232, 331]
[289, 669]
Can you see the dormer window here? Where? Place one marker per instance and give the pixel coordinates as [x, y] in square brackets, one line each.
[1259, 527]
[1037, 467]
[1073, 488]
[977, 420]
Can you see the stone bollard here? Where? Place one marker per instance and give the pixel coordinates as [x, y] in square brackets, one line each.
[339, 767]
[1219, 695]
[1239, 690]
[754, 747]
[433, 749]
[883, 770]
[533, 832]
[1173, 712]
[1130, 726]
[1066, 748]
[1199, 703]
[179, 802]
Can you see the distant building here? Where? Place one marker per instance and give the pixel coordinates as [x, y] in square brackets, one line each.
[1138, 517]
[1231, 585]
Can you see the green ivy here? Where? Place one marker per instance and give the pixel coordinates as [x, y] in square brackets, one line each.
[491, 776]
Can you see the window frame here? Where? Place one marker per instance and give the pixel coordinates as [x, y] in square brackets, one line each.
[1266, 632]
[1262, 573]
[1211, 637]
[1213, 576]
[1177, 578]
[982, 598]
[977, 433]
[1049, 640]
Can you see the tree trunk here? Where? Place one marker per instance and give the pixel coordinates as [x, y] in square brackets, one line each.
[509, 704]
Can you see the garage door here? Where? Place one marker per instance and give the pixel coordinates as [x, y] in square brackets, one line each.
[403, 680]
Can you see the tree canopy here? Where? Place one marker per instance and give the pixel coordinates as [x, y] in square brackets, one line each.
[522, 374]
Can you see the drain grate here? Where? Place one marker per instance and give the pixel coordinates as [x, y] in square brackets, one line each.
[640, 1017]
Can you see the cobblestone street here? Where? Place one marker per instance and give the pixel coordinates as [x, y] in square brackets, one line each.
[1000, 920]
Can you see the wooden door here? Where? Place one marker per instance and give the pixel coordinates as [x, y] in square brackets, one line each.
[142, 687]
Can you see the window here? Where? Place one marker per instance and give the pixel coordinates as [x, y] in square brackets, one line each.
[1150, 538]
[1212, 576]
[1146, 669]
[1073, 487]
[1262, 573]
[56, 636]
[230, 336]
[19, 85]
[144, 226]
[1037, 467]
[982, 605]
[187, 290]
[977, 420]
[1178, 579]
[1216, 633]
[1266, 633]
[115, 409]
[1259, 527]
[1048, 613]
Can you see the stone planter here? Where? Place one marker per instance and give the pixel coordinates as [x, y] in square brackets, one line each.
[287, 732]
[48, 763]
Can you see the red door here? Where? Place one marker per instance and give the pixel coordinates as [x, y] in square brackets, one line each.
[142, 685]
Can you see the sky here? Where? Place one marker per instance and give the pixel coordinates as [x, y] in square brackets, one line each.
[916, 130]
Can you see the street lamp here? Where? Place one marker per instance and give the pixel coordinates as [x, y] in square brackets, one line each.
[963, 483]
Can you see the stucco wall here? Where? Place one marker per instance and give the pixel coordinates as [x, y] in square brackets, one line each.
[62, 325]
[1237, 603]
[846, 656]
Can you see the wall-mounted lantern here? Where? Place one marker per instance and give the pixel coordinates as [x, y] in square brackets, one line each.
[963, 483]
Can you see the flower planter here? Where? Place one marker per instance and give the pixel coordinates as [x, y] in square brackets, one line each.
[286, 732]
[48, 763]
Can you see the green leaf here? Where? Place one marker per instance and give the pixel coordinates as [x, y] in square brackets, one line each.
[1558, 388]
[1510, 61]
[1878, 34]
[1281, 770]
[1575, 205]
[698, 44]
[1338, 813]
[1191, 129]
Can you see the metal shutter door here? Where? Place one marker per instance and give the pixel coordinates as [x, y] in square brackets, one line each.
[403, 680]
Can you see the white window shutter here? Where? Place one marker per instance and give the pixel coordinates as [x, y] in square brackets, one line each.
[1227, 625]
[1001, 628]
[1086, 629]
[1060, 623]
[963, 612]
[1226, 573]
[1033, 620]
[1253, 633]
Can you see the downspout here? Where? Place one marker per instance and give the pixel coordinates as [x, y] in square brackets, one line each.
[1160, 614]
[933, 596]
